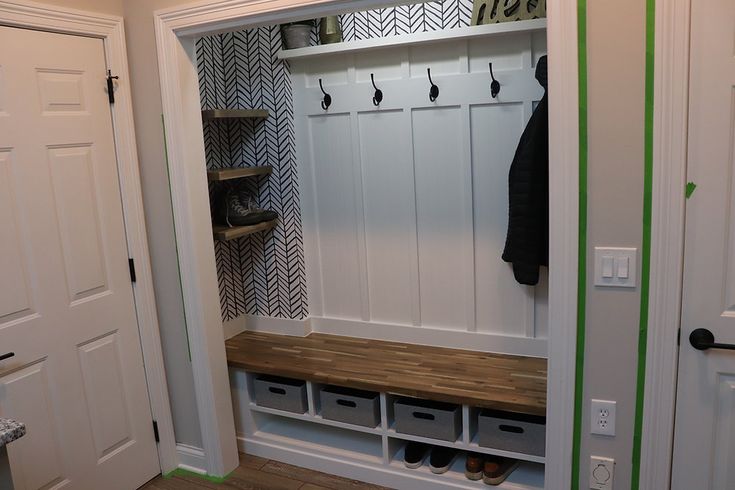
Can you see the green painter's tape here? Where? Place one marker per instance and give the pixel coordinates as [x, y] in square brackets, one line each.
[582, 260]
[181, 472]
[691, 187]
[646, 248]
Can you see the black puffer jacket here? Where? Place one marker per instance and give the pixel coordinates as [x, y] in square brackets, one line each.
[527, 242]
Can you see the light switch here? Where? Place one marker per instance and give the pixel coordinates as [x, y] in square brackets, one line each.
[623, 267]
[607, 266]
[615, 267]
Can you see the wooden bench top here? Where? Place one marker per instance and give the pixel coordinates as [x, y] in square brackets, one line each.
[479, 379]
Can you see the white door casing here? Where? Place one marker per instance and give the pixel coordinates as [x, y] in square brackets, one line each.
[670, 130]
[77, 378]
[704, 438]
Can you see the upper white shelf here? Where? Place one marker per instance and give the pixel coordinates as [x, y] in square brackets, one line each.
[416, 38]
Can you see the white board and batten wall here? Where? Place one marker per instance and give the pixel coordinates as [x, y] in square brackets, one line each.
[405, 205]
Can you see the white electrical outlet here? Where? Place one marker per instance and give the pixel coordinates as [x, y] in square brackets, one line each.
[602, 417]
[601, 473]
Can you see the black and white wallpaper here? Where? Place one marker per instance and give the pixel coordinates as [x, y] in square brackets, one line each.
[263, 274]
[406, 19]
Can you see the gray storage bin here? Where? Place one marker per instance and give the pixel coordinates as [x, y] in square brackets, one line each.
[351, 406]
[425, 418]
[281, 393]
[509, 431]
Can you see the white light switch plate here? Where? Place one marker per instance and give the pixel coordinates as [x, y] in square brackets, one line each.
[615, 267]
[601, 473]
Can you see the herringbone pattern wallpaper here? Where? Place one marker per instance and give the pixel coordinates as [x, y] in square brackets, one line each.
[263, 274]
[406, 19]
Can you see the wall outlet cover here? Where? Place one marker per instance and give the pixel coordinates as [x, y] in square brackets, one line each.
[602, 417]
[601, 473]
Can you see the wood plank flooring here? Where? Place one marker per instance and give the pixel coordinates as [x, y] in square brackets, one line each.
[504, 382]
[256, 473]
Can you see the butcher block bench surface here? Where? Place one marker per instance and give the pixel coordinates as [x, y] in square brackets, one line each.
[478, 379]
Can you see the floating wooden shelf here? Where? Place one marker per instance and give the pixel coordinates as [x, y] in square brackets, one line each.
[415, 38]
[237, 173]
[224, 233]
[234, 114]
[478, 379]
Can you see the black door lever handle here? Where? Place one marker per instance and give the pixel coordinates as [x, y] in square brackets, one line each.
[703, 339]
[7, 356]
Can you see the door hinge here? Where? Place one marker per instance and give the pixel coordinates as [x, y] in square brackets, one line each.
[111, 86]
[131, 265]
[155, 431]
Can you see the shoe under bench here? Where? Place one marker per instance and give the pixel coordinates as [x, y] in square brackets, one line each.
[474, 380]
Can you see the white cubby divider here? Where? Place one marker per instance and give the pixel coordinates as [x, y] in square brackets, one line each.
[312, 399]
[384, 411]
[387, 452]
[466, 431]
[373, 454]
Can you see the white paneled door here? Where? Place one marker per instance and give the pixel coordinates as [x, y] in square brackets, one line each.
[704, 443]
[66, 303]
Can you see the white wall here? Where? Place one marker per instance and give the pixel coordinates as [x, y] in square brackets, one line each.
[616, 57]
[143, 62]
[114, 7]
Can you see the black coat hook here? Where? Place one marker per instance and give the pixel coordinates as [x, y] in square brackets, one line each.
[327, 101]
[378, 97]
[495, 85]
[434, 90]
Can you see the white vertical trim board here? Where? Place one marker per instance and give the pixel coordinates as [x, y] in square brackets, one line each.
[110, 29]
[563, 239]
[670, 133]
[180, 94]
[189, 193]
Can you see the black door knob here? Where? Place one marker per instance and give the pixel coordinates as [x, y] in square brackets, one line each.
[703, 339]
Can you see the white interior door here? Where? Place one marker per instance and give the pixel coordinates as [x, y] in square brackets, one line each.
[704, 445]
[66, 302]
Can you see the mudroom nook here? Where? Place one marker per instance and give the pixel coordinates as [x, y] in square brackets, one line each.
[390, 135]
[375, 312]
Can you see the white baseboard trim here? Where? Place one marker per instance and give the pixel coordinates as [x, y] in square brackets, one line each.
[191, 459]
[455, 339]
[253, 323]
[377, 474]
